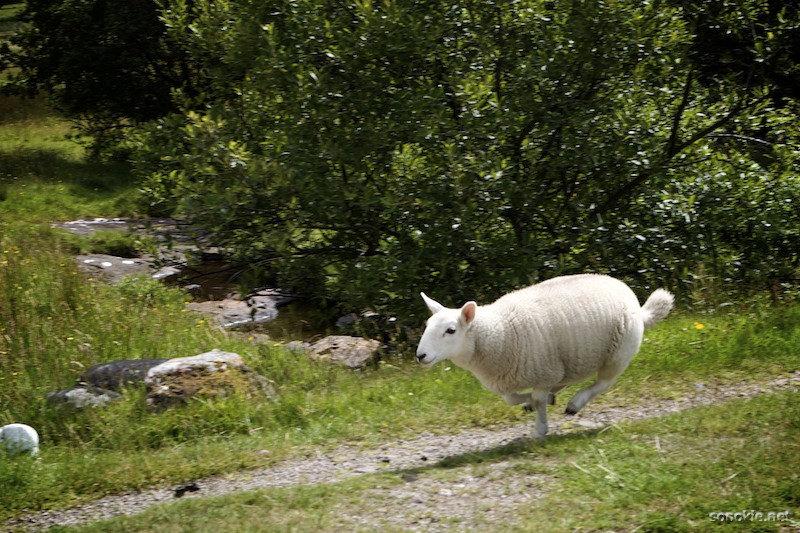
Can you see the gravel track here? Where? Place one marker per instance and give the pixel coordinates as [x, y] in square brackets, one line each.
[427, 449]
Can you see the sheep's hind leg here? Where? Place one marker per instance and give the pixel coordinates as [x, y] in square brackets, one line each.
[584, 396]
[606, 377]
[516, 399]
[608, 374]
[551, 396]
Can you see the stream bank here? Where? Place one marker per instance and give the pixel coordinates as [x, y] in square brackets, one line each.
[180, 256]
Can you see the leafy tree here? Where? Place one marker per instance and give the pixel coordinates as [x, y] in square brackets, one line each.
[364, 151]
[755, 44]
[105, 63]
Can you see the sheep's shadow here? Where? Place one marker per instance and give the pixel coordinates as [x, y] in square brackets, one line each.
[515, 448]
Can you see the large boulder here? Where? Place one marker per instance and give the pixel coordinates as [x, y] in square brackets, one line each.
[214, 374]
[352, 352]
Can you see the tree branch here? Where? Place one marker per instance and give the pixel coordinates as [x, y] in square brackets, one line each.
[676, 119]
[674, 147]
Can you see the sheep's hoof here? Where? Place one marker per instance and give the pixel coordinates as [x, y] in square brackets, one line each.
[551, 398]
[571, 410]
[528, 408]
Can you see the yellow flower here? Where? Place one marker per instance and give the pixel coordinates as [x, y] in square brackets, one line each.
[698, 326]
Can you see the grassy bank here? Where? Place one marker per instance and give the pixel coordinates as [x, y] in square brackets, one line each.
[44, 175]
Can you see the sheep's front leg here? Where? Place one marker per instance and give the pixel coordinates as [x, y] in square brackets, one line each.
[534, 401]
[539, 402]
[516, 399]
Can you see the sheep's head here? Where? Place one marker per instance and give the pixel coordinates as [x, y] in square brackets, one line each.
[445, 335]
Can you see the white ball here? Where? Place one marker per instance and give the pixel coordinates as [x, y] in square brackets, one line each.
[19, 439]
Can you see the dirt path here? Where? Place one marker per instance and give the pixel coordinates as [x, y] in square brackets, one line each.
[426, 450]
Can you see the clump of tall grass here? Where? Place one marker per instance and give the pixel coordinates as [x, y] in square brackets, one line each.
[119, 243]
[55, 322]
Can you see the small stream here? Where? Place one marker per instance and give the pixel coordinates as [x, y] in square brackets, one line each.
[212, 282]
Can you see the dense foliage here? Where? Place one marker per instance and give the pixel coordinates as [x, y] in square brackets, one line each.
[364, 151]
[755, 43]
[371, 150]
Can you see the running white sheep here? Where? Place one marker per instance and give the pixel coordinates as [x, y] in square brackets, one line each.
[545, 337]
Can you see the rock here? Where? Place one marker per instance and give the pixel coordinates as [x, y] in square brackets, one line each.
[297, 346]
[87, 227]
[183, 489]
[18, 439]
[101, 384]
[214, 374]
[83, 396]
[590, 424]
[166, 272]
[257, 308]
[350, 319]
[116, 375]
[112, 268]
[352, 352]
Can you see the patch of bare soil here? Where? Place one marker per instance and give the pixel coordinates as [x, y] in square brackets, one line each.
[423, 502]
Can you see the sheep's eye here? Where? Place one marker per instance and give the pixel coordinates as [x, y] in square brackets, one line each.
[450, 330]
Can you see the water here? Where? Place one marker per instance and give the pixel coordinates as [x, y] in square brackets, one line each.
[209, 278]
[299, 320]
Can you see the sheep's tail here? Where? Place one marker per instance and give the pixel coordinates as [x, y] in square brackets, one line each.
[657, 307]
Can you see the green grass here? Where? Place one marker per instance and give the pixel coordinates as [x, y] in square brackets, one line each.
[738, 456]
[54, 322]
[45, 177]
[9, 14]
[746, 341]
[665, 475]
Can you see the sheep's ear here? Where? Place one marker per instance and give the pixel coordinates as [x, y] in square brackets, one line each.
[468, 311]
[432, 304]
